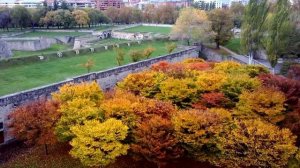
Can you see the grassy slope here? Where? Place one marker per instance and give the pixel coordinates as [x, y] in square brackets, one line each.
[53, 48]
[234, 45]
[51, 34]
[152, 29]
[109, 41]
[14, 79]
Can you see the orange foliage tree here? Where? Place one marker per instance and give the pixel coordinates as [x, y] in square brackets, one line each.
[154, 140]
[34, 122]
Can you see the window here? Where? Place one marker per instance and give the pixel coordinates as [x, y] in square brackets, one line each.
[1, 131]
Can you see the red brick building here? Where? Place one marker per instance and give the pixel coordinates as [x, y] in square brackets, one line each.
[104, 4]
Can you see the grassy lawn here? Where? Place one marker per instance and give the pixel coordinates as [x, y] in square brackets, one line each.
[51, 34]
[53, 48]
[234, 45]
[109, 41]
[103, 27]
[151, 29]
[27, 76]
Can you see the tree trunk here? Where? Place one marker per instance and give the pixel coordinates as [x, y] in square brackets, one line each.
[218, 45]
[46, 149]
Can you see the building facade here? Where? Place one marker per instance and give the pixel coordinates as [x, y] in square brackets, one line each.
[104, 4]
[25, 3]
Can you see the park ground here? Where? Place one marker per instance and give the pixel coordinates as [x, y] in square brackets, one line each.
[147, 29]
[21, 156]
[27, 76]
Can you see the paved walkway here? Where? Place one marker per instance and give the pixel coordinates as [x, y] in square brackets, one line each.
[245, 59]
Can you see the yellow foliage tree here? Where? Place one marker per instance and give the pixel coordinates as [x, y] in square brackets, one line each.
[120, 108]
[210, 81]
[83, 90]
[192, 24]
[182, 92]
[237, 83]
[143, 83]
[200, 131]
[75, 112]
[227, 66]
[264, 102]
[254, 143]
[98, 144]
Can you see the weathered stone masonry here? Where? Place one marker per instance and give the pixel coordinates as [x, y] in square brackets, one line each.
[106, 79]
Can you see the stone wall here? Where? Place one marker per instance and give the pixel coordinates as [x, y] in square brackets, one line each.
[106, 79]
[35, 43]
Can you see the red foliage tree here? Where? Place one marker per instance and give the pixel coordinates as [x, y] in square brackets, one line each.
[209, 100]
[154, 140]
[290, 87]
[34, 122]
[200, 66]
[294, 72]
[176, 70]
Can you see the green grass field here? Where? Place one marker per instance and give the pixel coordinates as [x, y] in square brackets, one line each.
[27, 76]
[234, 45]
[53, 48]
[151, 29]
[109, 41]
[51, 34]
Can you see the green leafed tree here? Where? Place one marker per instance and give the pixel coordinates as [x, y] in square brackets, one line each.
[20, 17]
[279, 31]
[222, 24]
[253, 27]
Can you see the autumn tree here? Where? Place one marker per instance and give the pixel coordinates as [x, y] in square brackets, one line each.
[34, 122]
[143, 83]
[98, 144]
[84, 90]
[236, 84]
[79, 102]
[222, 24]
[81, 17]
[155, 141]
[5, 18]
[256, 143]
[200, 132]
[167, 14]
[112, 14]
[149, 13]
[211, 81]
[182, 92]
[192, 25]
[266, 103]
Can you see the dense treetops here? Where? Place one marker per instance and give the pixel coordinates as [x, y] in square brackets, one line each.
[227, 114]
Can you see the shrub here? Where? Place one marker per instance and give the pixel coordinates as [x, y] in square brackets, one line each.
[176, 70]
[254, 143]
[267, 103]
[136, 55]
[148, 52]
[209, 100]
[171, 47]
[120, 54]
[154, 140]
[98, 144]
